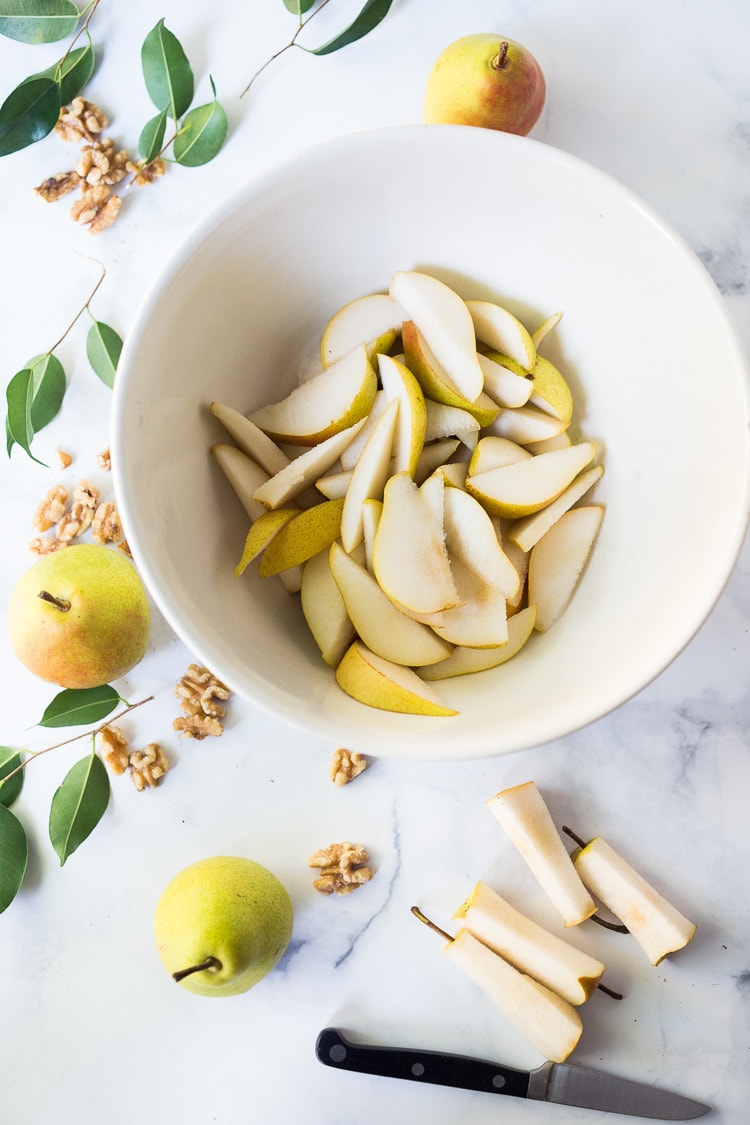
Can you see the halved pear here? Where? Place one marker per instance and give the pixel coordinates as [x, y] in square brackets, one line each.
[657, 926]
[328, 403]
[303, 471]
[464, 660]
[435, 380]
[433, 456]
[550, 1024]
[350, 456]
[524, 815]
[495, 452]
[305, 535]
[244, 475]
[409, 437]
[261, 532]
[526, 486]
[250, 438]
[374, 320]
[530, 948]
[503, 331]
[409, 555]
[550, 391]
[526, 424]
[324, 609]
[526, 532]
[380, 683]
[444, 321]
[379, 624]
[334, 485]
[369, 475]
[557, 562]
[545, 328]
[505, 386]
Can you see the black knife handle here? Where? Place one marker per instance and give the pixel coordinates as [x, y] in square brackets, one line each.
[435, 1067]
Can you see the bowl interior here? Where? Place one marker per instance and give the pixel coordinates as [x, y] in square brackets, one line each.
[657, 375]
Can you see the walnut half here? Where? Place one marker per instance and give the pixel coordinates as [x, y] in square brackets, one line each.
[346, 765]
[200, 694]
[341, 867]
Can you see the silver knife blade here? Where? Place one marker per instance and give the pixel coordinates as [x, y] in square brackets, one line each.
[560, 1083]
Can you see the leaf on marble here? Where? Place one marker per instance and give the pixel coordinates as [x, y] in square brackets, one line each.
[166, 71]
[201, 134]
[78, 805]
[14, 855]
[75, 707]
[103, 347]
[10, 762]
[151, 139]
[373, 13]
[38, 21]
[71, 73]
[28, 114]
[33, 396]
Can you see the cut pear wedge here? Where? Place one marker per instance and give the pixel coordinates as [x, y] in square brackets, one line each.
[250, 438]
[380, 626]
[523, 813]
[545, 328]
[380, 683]
[546, 445]
[444, 321]
[369, 475]
[465, 660]
[398, 383]
[334, 485]
[445, 421]
[527, 532]
[435, 380]
[324, 610]
[558, 560]
[471, 538]
[526, 486]
[328, 403]
[350, 456]
[434, 456]
[305, 535]
[305, 470]
[494, 453]
[374, 319]
[530, 948]
[506, 387]
[481, 618]
[657, 926]
[261, 532]
[371, 510]
[526, 424]
[502, 331]
[550, 391]
[549, 1023]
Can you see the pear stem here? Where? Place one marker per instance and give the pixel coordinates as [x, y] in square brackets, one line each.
[500, 60]
[616, 926]
[209, 963]
[574, 836]
[59, 603]
[430, 924]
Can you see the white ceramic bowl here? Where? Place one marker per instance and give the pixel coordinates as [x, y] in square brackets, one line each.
[658, 378]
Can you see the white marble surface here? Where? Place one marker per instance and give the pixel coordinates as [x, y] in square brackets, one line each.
[657, 95]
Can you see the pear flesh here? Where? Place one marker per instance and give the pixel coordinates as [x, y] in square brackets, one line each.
[557, 562]
[523, 813]
[380, 683]
[657, 926]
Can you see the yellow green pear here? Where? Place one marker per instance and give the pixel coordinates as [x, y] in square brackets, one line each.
[222, 924]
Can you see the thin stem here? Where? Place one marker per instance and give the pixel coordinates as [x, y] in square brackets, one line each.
[430, 924]
[59, 603]
[574, 836]
[500, 60]
[83, 28]
[609, 992]
[292, 43]
[77, 737]
[80, 312]
[616, 926]
[209, 963]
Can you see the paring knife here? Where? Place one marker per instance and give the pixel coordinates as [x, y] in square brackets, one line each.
[560, 1083]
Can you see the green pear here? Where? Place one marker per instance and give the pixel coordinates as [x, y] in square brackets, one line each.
[485, 80]
[222, 924]
[80, 617]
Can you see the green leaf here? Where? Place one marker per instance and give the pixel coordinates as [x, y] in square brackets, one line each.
[371, 15]
[34, 397]
[151, 139]
[299, 7]
[14, 855]
[103, 347]
[166, 71]
[28, 113]
[18, 419]
[74, 707]
[201, 135]
[78, 805]
[71, 73]
[10, 760]
[38, 21]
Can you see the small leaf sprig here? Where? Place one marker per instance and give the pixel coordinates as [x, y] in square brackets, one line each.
[35, 394]
[371, 14]
[80, 801]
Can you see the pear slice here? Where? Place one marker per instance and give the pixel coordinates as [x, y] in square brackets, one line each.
[526, 424]
[549, 1023]
[526, 532]
[558, 560]
[506, 387]
[324, 610]
[454, 474]
[550, 391]
[250, 438]
[374, 320]
[334, 486]
[303, 471]
[545, 328]
[409, 555]
[464, 660]
[447, 421]
[435, 380]
[433, 456]
[522, 812]
[526, 486]
[328, 403]
[300, 538]
[380, 626]
[657, 926]
[480, 621]
[244, 475]
[261, 532]
[494, 452]
[369, 475]
[350, 456]
[471, 538]
[503, 331]
[409, 437]
[370, 679]
[444, 321]
[530, 948]
[546, 445]
[371, 511]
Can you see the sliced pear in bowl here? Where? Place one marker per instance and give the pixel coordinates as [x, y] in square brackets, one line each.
[261, 532]
[380, 683]
[558, 560]
[503, 332]
[350, 456]
[526, 424]
[369, 475]
[544, 329]
[301, 473]
[374, 320]
[527, 532]
[436, 382]
[529, 485]
[250, 438]
[551, 392]
[506, 385]
[398, 383]
[324, 609]
[465, 660]
[493, 452]
[244, 475]
[305, 535]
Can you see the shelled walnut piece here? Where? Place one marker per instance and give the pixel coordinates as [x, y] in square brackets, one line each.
[346, 765]
[201, 695]
[147, 767]
[341, 867]
[86, 512]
